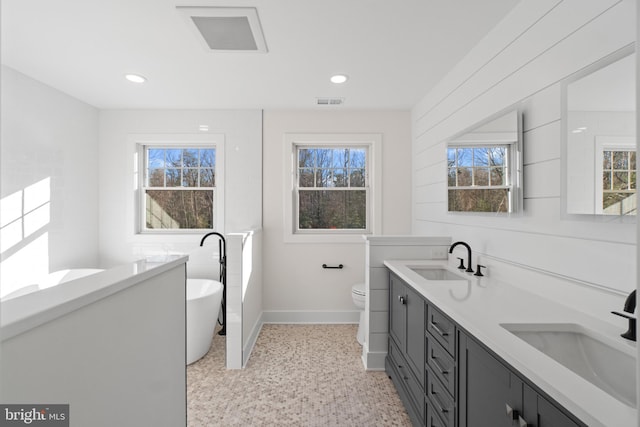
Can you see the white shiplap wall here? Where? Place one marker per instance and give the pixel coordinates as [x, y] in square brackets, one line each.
[523, 62]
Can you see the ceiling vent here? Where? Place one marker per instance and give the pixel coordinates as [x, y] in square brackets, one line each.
[226, 29]
[329, 101]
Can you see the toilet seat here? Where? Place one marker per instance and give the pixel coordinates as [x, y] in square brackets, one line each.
[358, 289]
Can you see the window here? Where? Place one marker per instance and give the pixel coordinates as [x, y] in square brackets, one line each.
[615, 176]
[332, 188]
[179, 187]
[478, 178]
[619, 182]
[484, 166]
[333, 193]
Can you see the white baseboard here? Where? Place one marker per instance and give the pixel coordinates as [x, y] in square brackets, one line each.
[278, 316]
[251, 341]
[373, 360]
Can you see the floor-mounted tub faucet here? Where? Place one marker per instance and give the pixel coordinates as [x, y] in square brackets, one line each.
[469, 269]
[222, 257]
[629, 307]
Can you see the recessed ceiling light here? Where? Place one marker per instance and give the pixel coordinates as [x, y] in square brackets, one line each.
[339, 78]
[135, 78]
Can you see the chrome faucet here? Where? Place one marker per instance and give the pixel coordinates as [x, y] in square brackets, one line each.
[629, 307]
[469, 269]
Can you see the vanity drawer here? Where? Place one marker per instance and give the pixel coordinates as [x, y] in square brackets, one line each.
[433, 420]
[415, 390]
[441, 328]
[439, 400]
[442, 364]
[412, 387]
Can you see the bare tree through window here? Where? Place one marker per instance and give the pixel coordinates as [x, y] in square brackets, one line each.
[179, 187]
[332, 188]
[477, 178]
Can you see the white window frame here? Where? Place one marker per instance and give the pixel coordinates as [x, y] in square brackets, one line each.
[178, 141]
[602, 144]
[510, 167]
[373, 143]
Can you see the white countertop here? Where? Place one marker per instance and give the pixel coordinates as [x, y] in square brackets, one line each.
[480, 305]
[20, 314]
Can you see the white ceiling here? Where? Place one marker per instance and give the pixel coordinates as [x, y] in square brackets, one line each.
[393, 51]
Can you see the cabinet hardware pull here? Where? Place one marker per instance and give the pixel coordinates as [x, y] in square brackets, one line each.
[402, 299]
[521, 422]
[439, 366]
[439, 406]
[434, 325]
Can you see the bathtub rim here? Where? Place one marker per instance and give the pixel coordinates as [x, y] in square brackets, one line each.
[217, 283]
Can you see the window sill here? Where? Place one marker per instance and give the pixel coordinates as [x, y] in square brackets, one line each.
[325, 237]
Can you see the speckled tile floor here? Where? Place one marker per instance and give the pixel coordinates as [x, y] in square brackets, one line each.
[298, 375]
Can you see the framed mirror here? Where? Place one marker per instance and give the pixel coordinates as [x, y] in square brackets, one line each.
[484, 166]
[600, 138]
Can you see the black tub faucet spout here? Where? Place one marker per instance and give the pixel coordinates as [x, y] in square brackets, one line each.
[469, 269]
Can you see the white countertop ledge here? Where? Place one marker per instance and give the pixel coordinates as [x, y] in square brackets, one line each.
[20, 314]
[480, 305]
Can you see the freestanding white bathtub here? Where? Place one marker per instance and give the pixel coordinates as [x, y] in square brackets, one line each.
[203, 306]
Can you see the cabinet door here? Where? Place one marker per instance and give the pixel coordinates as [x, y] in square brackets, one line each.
[539, 412]
[415, 338]
[397, 310]
[487, 388]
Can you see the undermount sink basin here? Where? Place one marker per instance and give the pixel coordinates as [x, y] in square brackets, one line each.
[436, 273]
[605, 363]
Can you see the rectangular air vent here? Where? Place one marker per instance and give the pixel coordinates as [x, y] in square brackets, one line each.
[226, 29]
[329, 101]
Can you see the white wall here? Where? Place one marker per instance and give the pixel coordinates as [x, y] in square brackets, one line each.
[523, 61]
[251, 292]
[117, 361]
[294, 280]
[244, 295]
[49, 181]
[376, 320]
[243, 186]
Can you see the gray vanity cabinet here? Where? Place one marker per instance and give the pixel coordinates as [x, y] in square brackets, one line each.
[405, 360]
[445, 378]
[491, 394]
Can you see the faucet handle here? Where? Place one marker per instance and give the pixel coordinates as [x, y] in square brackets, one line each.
[625, 315]
[461, 266]
[479, 272]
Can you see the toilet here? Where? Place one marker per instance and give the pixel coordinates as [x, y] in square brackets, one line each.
[358, 294]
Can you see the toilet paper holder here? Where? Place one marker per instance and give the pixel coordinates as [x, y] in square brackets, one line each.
[339, 266]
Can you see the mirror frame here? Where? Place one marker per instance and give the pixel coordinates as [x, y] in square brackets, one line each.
[516, 159]
[564, 154]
